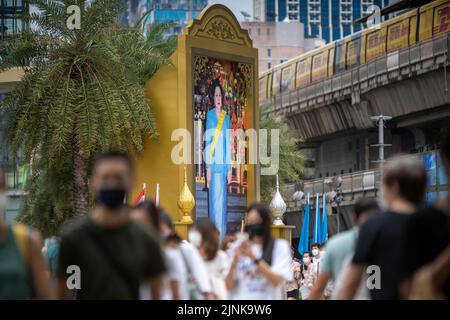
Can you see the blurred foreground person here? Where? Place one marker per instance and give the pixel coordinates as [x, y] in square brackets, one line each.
[150, 216]
[318, 254]
[51, 252]
[340, 249]
[22, 266]
[380, 241]
[427, 250]
[105, 255]
[205, 236]
[195, 282]
[260, 265]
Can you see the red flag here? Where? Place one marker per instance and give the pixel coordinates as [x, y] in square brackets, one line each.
[141, 196]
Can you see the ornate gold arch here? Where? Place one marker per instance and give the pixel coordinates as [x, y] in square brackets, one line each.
[218, 22]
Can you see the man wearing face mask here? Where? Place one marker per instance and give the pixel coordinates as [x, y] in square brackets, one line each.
[315, 251]
[115, 255]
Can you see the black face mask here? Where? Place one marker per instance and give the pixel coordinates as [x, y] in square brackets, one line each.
[255, 229]
[112, 198]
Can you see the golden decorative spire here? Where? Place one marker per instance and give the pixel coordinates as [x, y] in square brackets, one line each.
[186, 201]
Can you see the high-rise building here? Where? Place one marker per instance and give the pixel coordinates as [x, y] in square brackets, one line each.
[135, 9]
[242, 9]
[327, 19]
[162, 11]
[278, 42]
[11, 13]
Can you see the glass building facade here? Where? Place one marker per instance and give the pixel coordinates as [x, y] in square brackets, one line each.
[327, 19]
[162, 11]
[11, 13]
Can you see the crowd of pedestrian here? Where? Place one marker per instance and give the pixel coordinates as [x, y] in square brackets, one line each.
[398, 249]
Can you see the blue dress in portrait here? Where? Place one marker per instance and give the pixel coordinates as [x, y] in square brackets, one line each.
[219, 165]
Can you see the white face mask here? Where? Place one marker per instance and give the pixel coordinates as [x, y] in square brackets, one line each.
[195, 238]
[306, 261]
[315, 252]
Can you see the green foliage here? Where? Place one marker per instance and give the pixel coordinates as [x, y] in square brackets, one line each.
[82, 92]
[291, 161]
[49, 202]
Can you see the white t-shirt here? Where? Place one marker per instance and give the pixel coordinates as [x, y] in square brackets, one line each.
[217, 270]
[250, 284]
[316, 264]
[198, 270]
[176, 271]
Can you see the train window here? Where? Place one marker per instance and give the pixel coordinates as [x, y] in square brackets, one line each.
[398, 35]
[353, 52]
[288, 78]
[441, 20]
[375, 44]
[303, 73]
[319, 69]
[339, 57]
[276, 82]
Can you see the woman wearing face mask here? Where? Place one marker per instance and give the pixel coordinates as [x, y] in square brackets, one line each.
[149, 215]
[205, 236]
[262, 264]
[308, 275]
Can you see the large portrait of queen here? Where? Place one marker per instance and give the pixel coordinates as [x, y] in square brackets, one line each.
[220, 145]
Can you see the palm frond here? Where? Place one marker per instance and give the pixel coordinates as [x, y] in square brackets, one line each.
[82, 93]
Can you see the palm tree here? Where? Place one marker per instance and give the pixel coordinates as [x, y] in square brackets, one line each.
[82, 92]
[291, 162]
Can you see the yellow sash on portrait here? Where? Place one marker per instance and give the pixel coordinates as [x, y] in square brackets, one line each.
[216, 133]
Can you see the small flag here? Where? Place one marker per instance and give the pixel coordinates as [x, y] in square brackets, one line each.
[157, 195]
[141, 197]
[316, 232]
[303, 244]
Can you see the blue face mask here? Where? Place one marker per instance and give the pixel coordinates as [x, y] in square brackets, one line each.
[112, 198]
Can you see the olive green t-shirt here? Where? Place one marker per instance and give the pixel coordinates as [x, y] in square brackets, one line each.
[132, 257]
